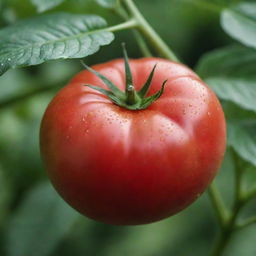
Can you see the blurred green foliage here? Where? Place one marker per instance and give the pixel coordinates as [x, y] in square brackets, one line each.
[34, 221]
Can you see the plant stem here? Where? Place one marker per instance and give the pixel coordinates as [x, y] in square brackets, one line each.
[249, 195]
[132, 23]
[221, 243]
[228, 228]
[142, 44]
[246, 223]
[227, 231]
[156, 41]
[121, 12]
[218, 204]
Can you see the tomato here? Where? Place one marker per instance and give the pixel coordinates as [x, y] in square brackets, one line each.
[128, 167]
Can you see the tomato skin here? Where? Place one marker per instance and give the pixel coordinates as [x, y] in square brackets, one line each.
[127, 167]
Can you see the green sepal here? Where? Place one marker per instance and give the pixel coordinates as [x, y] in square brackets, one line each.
[130, 99]
[149, 100]
[128, 73]
[113, 88]
[109, 94]
[144, 90]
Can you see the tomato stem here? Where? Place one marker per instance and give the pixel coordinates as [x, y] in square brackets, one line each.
[129, 99]
[218, 204]
[246, 223]
[122, 13]
[229, 224]
[131, 95]
[131, 23]
[156, 41]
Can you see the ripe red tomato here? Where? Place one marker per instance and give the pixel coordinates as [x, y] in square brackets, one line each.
[129, 167]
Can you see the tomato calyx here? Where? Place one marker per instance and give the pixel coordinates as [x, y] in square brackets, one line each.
[130, 99]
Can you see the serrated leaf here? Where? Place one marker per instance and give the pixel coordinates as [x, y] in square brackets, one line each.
[107, 3]
[231, 73]
[242, 137]
[241, 126]
[40, 223]
[44, 5]
[50, 37]
[240, 23]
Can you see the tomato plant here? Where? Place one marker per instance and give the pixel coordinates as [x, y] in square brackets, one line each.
[128, 141]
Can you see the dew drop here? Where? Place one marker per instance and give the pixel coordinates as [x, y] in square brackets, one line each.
[162, 139]
[9, 59]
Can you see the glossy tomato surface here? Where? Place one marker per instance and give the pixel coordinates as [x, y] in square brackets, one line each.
[128, 167]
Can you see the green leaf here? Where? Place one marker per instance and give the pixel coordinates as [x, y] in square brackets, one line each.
[44, 5]
[50, 37]
[240, 23]
[242, 137]
[231, 73]
[110, 4]
[40, 223]
[241, 127]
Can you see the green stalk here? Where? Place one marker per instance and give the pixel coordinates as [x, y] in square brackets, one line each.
[246, 223]
[218, 205]
[132, 23]
[156, 41]
[249, 195]
[229, 226]
[121, 12]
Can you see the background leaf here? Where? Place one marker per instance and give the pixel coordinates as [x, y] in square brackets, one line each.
[44, 5]
[242, 137]
[40, 223]
[240, 23]
[231, 73]
[107, 3]
[50, 37]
